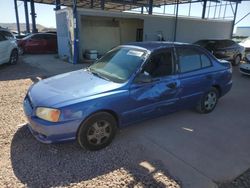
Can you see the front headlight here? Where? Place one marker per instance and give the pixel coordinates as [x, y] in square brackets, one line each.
[49, 114]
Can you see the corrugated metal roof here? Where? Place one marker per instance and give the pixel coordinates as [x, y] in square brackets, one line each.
[120, 5]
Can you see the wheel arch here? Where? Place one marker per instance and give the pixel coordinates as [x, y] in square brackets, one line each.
[216, 86]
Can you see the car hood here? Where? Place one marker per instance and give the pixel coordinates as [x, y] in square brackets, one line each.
[69, 86]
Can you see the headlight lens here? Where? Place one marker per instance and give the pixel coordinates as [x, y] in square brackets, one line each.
[49, 114]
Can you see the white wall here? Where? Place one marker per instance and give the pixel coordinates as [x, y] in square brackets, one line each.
[188, 30]
[128, 29]
[104, 33]
[99, 34]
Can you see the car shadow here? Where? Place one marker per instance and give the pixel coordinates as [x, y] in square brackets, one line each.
[40, 165]
[21, 71]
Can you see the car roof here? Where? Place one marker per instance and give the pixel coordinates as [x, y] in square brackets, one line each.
[208, 40]
[156, 45]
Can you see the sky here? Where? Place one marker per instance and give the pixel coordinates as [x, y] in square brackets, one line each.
[46, 13]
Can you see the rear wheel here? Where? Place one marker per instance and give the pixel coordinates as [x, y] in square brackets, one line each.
[13, 57]
[97, 131]
[208, 101]
[236, 60]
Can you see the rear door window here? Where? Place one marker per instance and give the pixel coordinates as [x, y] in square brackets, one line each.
[191, 59]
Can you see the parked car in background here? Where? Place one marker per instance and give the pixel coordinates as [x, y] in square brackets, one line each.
[246, 44]
[245, 67]
[128, 84]
[38, 43]
[8, 47]
[19, 36]
[224, 49]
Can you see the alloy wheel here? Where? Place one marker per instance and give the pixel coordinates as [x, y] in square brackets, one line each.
[99, 132]
[210, 101]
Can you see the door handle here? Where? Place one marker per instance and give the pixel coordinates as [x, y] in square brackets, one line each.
[172, 85]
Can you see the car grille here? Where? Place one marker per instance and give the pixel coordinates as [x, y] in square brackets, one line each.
[245, 70]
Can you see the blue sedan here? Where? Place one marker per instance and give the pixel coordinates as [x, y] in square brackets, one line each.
[128, 84]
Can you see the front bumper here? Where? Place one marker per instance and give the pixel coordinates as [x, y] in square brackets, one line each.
[49, 132]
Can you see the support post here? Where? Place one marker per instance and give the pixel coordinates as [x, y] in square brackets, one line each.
[204, 9]
[17, 17]
[91, 3]
[102, 4]
[33, 16]
[76, 38]
[150, 7]
[235, 13]
[176, 19]
[26, 11]
[58, 5]
[142, 10]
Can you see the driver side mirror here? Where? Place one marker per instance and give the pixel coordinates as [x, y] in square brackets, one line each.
[143, 78]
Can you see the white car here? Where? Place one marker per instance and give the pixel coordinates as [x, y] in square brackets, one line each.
[246, 44]
[245, 67]
[8, 47]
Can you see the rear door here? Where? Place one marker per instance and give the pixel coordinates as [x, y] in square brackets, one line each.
[195, 73]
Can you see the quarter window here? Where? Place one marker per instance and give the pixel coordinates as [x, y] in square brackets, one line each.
[205, 61]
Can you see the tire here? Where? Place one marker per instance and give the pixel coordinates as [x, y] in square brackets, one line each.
[97, 131]
[236, 60]
[208, 102]
[13, 57]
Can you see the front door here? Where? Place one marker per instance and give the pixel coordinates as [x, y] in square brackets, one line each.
[159, 96]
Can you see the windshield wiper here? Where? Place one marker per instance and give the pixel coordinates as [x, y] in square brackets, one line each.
[98, 75]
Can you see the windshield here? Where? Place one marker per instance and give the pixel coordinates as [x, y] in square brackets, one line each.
[119, 64]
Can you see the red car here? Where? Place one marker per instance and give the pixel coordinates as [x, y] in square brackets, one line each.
[38, 43]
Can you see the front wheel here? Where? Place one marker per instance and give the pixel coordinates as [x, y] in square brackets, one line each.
[208, 101]
[13, 57]
[97, 131]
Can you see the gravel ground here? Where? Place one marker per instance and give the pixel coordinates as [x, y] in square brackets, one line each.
[24, 162]
[243, 181]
